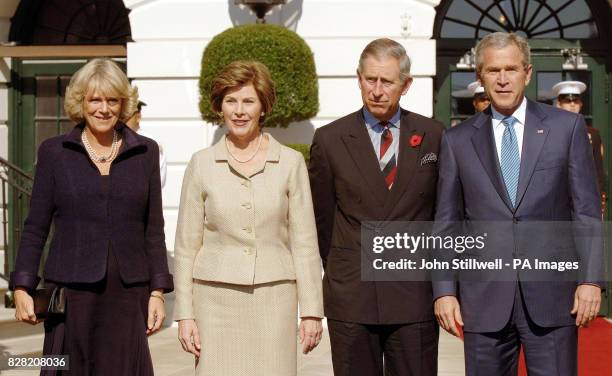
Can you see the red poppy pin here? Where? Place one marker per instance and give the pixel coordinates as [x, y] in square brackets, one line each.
[415, 140]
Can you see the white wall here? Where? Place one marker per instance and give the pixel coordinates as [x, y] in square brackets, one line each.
[170, 36]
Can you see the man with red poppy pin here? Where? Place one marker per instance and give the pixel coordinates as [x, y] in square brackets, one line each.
[518, 165]
[376, 164]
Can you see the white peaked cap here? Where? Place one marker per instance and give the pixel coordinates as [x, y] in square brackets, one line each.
[475, 88]
[568, 87]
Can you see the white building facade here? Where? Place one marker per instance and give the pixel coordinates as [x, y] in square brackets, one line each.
[170, 36]
[165, 58]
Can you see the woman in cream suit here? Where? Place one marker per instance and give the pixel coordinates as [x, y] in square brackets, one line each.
[246, 246]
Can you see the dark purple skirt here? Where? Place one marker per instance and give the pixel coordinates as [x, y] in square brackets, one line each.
[104, 329]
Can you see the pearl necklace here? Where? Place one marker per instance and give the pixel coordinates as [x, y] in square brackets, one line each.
[92, 153]
[250, 157]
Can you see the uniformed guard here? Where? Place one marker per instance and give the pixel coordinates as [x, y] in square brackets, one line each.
[480, 98]
[569, 97]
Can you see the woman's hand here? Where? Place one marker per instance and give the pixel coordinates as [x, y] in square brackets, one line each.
[311, 331]
[24, 306]
[189, 337]
[157, 312]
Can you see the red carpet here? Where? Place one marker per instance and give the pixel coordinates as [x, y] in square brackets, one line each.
[594, 350]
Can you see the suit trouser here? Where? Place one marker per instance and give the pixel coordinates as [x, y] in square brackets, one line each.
[548, 351]
[408, 349]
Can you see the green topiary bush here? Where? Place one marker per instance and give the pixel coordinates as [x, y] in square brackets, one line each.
[286, 55]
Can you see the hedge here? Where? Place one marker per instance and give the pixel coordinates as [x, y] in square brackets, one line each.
[286, 55]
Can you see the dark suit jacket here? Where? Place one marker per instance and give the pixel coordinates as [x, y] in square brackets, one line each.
[87, 220]
[348, 188]
[557, 182]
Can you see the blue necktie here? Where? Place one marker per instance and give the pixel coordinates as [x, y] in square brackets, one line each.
[510, 158]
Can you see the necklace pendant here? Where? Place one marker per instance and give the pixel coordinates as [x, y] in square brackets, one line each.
[102, 160]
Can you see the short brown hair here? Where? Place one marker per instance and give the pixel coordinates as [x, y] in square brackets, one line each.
[385, 47]
[499, 40]
[104, 76]
[241, 73]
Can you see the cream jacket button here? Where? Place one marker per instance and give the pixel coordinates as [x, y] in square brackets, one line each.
[246, 205]
[248, 229]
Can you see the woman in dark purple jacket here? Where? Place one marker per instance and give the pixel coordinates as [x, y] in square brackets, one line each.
[99, 184]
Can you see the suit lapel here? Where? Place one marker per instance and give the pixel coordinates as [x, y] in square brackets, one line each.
[359, 146]
[534, 136]
[407, 158]
[484, 146]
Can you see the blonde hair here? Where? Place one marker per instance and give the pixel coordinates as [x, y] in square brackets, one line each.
[499, 40]
[105, 77]
[241, 73]
[385, 47]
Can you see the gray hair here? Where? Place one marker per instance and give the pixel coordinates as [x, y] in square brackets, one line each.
[385, 47]
[501, 40]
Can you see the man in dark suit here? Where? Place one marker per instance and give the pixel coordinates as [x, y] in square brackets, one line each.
[515, 163]
[370, 166]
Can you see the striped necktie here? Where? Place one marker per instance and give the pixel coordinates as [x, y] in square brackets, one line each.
[387, 160]
[510, 158]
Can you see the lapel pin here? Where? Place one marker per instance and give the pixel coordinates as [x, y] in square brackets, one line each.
[540, 131]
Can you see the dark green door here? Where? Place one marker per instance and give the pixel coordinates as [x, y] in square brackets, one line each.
[36, 113]
[38, 100]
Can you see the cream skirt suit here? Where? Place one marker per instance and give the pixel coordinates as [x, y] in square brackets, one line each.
[245, 255]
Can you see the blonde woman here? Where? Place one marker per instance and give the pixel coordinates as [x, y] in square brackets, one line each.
[100, 186]
[246, 247]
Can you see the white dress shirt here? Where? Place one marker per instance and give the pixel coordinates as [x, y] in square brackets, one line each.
[519, 127]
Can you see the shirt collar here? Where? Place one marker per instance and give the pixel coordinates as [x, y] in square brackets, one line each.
[272, 155]
[373, 123]
[520, 113]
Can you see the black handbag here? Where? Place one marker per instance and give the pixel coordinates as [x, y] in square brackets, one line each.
[49, 302]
